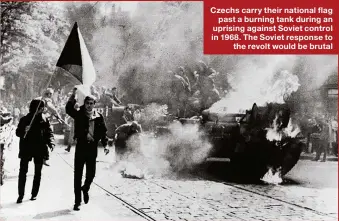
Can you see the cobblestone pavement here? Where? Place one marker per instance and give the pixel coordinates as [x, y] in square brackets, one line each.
[197, 199]
[321, 200]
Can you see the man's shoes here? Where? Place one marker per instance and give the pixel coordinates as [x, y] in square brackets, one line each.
[33, 198]
[86, 196]
[46, 163]
[323, 160]
[19, 200]
[76, 207]
[315, 159]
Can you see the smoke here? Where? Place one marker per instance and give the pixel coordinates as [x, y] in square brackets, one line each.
[152, 114]
[259, 80]
[182, 149]
[108, 51]
[161, 39]
[317, 68]
[135, 52]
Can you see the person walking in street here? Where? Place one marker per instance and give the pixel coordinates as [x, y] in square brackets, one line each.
[70, 131]
[322, 144]
[50, 110]
[334, 135]
[36, 136]
[122, 134]
[16, 115]
[90, 128]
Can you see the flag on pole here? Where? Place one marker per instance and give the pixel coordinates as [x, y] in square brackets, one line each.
[76, 61]
[75, 58]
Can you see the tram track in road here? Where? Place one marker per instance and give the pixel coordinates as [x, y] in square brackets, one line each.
[126, 204]
[249, 192]
[237, 186]
[280, 200]
[246, 190]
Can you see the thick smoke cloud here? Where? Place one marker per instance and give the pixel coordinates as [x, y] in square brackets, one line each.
[135, 53]
[259, 80]
[182, 149]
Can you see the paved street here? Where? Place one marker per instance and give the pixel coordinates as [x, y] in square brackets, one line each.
[171, 197]
[315, 174]
[55, 199]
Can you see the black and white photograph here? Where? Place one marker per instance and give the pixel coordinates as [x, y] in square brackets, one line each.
[111, 111]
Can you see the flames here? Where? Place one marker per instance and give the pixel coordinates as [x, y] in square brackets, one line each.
[272, 177]
[292, 129]
[276, 134]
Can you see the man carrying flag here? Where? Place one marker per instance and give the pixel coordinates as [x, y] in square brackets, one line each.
[90, 127]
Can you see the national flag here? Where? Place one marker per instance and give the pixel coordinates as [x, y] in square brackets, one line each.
[76, 65]
[75, 58]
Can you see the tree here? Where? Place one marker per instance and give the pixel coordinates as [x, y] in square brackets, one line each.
[32, 35]
[12, 31]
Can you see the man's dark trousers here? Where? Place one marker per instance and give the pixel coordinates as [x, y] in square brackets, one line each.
[84, 157]
[23, 174]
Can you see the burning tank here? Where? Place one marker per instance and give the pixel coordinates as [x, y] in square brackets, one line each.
[259, 140]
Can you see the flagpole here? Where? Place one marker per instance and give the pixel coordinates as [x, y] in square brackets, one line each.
[36, 111]
[61, 61]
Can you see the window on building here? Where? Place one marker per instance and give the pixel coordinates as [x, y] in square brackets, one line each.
[332, 93]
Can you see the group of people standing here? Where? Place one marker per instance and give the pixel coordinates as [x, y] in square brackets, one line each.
[323, 135]
[36, 136]
[190, 92]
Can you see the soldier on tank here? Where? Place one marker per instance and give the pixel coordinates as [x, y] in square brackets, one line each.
[179, 94]
[205, 86]
[209, 94]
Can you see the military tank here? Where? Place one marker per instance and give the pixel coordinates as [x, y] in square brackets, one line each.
[243, 139]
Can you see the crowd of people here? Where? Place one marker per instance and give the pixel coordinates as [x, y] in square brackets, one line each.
[190, 92]
[321, 135]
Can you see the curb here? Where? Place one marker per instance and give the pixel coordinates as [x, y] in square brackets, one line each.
[310, 157]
